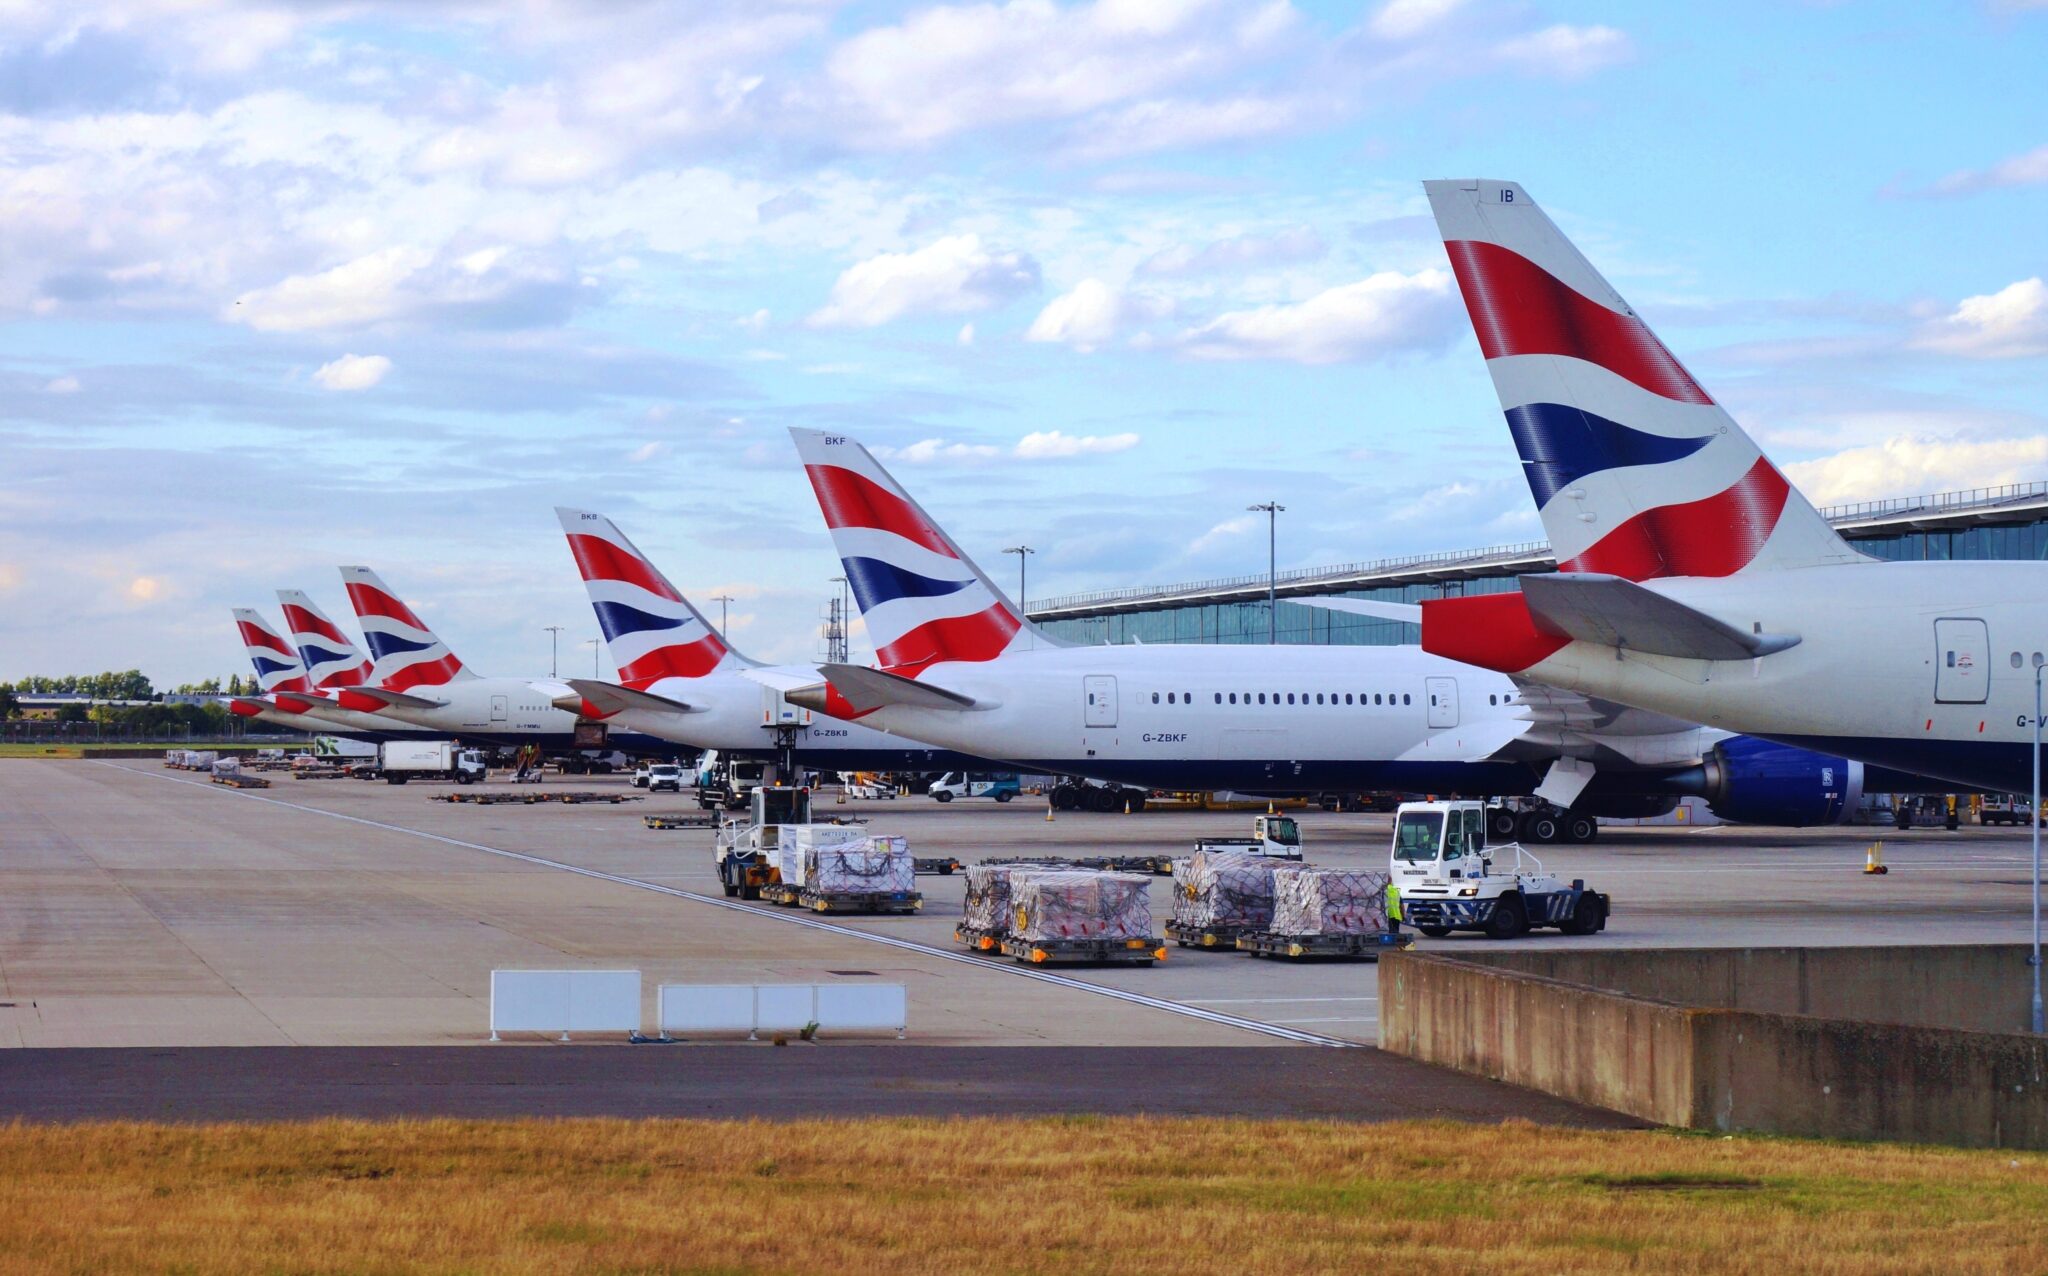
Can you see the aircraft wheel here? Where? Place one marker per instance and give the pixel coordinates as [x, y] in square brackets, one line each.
[1540, 827]
[1500, 824]
[1581, 828]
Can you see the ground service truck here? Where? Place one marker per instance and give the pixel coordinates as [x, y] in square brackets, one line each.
[1274, 836]
[1447, 878]
[403, 760]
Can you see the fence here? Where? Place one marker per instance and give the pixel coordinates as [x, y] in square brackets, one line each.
[710, 1009]
[564, 1001]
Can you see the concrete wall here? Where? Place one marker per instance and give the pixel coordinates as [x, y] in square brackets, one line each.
[1777, 1040]
[1981, 987]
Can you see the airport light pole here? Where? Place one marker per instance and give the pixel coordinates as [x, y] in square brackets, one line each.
[554, 650]
[1023, 552]
[2034, 818]
[1272, 510]
[592, 644]
[722, 600]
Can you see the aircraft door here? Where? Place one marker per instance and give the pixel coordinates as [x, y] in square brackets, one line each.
[1443, 701]
[500, 708]
[1099, 693]
[1962, 661]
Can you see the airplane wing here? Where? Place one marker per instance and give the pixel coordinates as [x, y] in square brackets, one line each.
[401, 699]
[610, 697]
[866, 689]
[1613, 612]
[1410, 613]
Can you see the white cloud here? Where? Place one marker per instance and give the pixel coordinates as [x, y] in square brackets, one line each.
[926, 451]
[2011, 323]
[353, 372]
[1223, 531]
[1406, 19]
[1175, 123]
[1566, 52]
[647, 451]
[1383, 314]
[1053, 445]
[2029, 168]
[754, 322]
[61, 385]
[1912, 466]
[1085, 318]
[950, 69]
[955, 275]
[357, 292]
[966, 337]
[1238, 253]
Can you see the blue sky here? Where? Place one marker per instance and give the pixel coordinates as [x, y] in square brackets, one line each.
[286, 286]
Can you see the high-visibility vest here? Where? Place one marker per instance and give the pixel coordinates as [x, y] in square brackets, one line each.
[1393, 902]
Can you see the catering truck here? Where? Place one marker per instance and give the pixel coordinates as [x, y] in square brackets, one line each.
[402, 760]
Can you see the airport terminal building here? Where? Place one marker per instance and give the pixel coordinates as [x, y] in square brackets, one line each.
[1983, 523]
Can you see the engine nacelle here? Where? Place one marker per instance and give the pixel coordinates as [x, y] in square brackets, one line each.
[1752, 781]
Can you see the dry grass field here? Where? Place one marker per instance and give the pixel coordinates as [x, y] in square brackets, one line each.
[1072, 1195]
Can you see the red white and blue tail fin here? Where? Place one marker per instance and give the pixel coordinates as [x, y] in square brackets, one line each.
[331, 657]
[277, 665]
[408, 654]
[1637, 471]
[923, 601]
[651, 630]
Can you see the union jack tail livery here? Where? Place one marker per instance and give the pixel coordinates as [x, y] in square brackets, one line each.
[408, 655]
[923, 601]
[331, 658]
[651, 630]
[1637, 471]
[277, 665]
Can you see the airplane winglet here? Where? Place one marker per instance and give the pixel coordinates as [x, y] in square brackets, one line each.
[867, 689]
[1614, 612]
[610, 698]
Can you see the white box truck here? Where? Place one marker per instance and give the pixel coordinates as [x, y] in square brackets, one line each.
[403, 760]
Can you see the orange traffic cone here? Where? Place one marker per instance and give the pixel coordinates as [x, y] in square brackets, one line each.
[1873, 859]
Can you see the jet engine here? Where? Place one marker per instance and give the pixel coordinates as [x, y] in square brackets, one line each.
[1752, 781]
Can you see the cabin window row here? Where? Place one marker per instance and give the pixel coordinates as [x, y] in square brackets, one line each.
[1330, 698]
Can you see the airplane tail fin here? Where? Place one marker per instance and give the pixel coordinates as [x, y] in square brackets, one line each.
[922, 599]
[277, 664]
[1637, 472]
[652, 631]
[331, 657]
[408, 654]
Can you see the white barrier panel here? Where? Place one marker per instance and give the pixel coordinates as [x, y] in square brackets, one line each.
[565, 1001]
[757, 1008]
[863, 1007]
[706, 1007]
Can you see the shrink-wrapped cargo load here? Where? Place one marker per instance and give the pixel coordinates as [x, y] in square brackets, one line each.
[870, 866]
[1214, 890]
[986, 910]
[793, 842]
[1328, 901]
[1079, 904]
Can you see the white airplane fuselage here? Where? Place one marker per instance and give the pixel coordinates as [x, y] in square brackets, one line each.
[1905, 665]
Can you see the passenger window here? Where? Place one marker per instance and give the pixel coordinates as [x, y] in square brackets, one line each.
[1406, 699]
[1262, 697]
[1347, 697]
[1233, 697]
[1290, 697]
[1219, 697]
[1155, 697]
[1319, 697]
[1375, 697]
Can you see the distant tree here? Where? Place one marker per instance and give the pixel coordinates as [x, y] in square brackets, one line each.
[71, 713]
[234, 684]
[9, 706]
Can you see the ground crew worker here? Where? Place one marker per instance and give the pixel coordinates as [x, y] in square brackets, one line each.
[1393, 909]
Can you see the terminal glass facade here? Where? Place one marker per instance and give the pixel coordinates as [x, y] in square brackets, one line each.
[1245, 622]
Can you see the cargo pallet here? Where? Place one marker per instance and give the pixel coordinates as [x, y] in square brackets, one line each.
[242, 781]
[1366, 947]
[1133, 952]
[570, 797]
[843, 902]
[319, 773]
[1156, 865]
[944, 866]
[678, 821]
[981, 941]
[1204, 936]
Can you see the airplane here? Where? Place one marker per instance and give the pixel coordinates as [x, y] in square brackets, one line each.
[417, 680]
[958, 665]
[280, 672]
[1693, 579]
[334, 667]
[681, 680]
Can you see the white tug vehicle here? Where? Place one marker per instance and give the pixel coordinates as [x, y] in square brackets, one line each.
[1447, 878]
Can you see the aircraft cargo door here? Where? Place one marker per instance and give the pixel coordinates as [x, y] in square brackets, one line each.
[500, 705]
[1100, 690]
[1443, 701]
[1962, 661]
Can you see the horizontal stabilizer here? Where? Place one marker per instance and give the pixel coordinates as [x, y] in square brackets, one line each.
[1408, 613]
[398, 699]
[609, 698]
[1598, 608]
[867, 689]
[783, 678]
